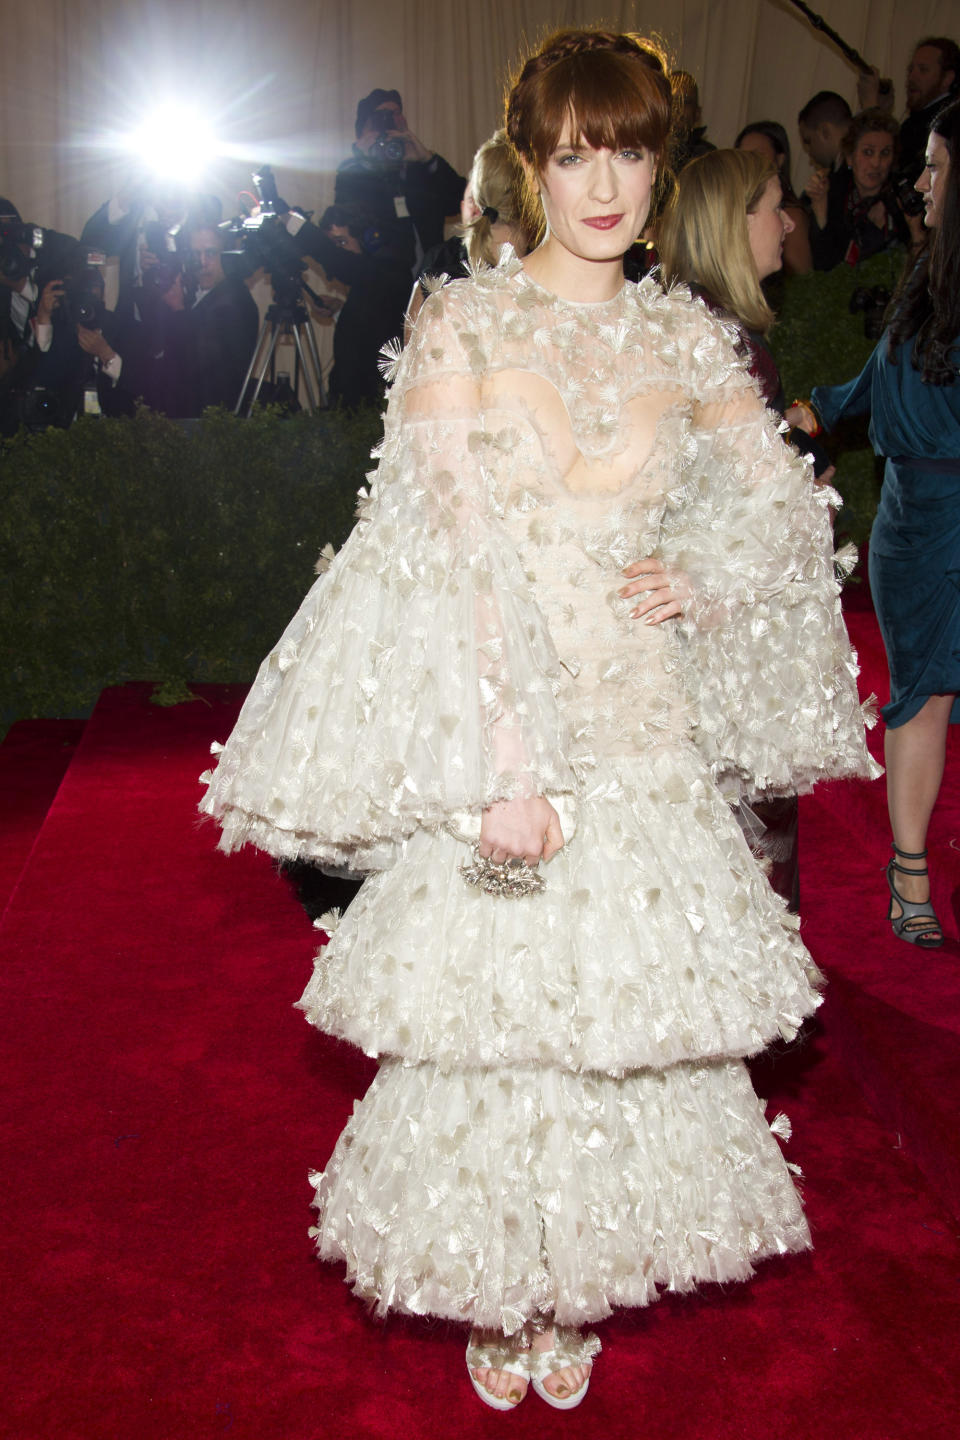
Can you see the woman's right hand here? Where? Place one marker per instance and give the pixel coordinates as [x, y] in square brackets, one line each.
[816, 190]
[665, 591]
[520, 829]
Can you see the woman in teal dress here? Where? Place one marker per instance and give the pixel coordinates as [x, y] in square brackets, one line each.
[910, 389]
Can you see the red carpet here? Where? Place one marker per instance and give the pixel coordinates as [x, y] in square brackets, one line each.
[167, 1102]
[894, 1010]
[33, 759]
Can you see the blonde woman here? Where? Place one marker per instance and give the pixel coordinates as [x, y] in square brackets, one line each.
[491, 217]
[722, 234]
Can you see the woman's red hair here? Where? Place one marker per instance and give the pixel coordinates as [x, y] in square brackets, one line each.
[590, 85]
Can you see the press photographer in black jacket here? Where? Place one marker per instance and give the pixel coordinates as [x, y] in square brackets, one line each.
[406, 189]
[349, 246]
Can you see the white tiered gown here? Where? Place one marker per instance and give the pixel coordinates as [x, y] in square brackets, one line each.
[562, 1122]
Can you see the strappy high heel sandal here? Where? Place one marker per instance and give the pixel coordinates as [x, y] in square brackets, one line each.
[917, 922]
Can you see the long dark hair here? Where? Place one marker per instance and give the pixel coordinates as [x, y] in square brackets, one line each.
[928, 305]
[773, 131]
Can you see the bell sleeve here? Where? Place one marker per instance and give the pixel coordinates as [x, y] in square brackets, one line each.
[764, 651]
[418, 680]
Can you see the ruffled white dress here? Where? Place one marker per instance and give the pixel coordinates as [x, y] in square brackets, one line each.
[562, 1122]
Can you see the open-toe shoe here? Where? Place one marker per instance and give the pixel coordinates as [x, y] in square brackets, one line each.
[503, 1356]
[569, 1348]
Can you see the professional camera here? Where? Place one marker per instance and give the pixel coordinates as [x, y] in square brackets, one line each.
[82, 302]
[261, 241]
[163, 244]
[36, 408]
[873, 301]
[386, 146]
[15, 233]
[908, 196]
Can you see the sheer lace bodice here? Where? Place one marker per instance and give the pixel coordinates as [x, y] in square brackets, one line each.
[579, 468]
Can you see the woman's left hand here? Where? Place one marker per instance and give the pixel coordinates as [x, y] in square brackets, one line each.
[664, 591]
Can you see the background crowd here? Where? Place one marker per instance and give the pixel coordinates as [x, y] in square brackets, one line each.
[181, 330]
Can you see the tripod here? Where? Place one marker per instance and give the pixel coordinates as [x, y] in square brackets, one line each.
[287, 316]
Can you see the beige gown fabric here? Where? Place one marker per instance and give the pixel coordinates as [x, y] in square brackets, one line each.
[562, 1122]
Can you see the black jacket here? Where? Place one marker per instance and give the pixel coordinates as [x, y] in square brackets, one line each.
[429, 190]
[372, 313]
[849, 234]
[204, 352]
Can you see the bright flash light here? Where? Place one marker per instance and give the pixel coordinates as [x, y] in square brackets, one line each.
[175, 142]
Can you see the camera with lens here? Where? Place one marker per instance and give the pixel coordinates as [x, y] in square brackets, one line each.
[15, 261]
[82, 300]
[390, 148]
[908, 196]
[872, 300]
[39, 407]
[163, 244]
[261, 241]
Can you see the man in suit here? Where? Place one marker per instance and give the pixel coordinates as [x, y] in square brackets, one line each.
[207, 337]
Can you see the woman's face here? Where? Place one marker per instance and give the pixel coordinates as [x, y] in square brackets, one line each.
[933, 180]
[767, 228]
[595, 201]
[762, 145]
[871, 161]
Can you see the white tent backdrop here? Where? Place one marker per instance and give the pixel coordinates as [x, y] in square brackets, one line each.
[281, 81]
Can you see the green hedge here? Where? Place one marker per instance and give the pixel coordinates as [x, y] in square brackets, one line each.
[145, 550]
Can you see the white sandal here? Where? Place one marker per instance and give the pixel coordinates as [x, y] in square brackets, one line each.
[508, 1357]
[569, 1348]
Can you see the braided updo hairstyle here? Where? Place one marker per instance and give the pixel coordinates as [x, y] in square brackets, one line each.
[600, 87]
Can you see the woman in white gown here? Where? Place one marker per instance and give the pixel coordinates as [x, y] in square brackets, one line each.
[562, 1122]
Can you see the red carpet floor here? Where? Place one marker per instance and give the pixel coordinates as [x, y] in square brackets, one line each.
[33, 760]
[164, 1102]
[894, 1010]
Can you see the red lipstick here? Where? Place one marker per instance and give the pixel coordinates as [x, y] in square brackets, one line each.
[604, 222]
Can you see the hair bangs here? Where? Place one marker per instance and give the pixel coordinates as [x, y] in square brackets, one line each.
[606, 100]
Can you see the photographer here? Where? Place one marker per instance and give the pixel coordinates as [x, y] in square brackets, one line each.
[407, 190]
[133, 226]
[34, 264]
[857, 214]
[79, 362]
[140, 225]
[207, 330]
[372, 313]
